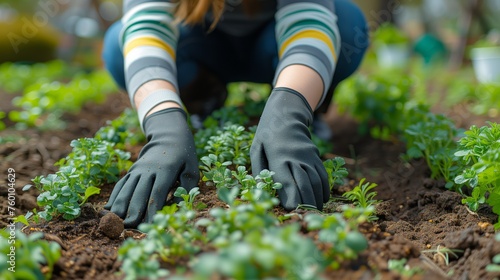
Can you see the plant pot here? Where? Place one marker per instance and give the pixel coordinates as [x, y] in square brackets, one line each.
[393, 56]
[486, 63]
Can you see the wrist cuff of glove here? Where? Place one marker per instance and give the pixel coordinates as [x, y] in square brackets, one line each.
[163, 112]
[156, 97]
[292, 91]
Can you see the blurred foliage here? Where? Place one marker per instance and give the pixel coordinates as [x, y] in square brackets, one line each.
[388, 34]
[15, 77]
[22, 6]
[21, 40]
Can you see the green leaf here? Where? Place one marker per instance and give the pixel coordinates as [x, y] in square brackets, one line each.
[228, 195]
[21, 219]
[180, 191]
[90, 191]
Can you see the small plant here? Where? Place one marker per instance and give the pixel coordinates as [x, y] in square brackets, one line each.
[363, 196]
[123, 130]
[479, 152]
[432, 137]
[91, 163]
[338, 233]
[225, 116]
[276, 253]
[217, 172]
[402, 268]
[232, 143]
[187, 202]
[171, 235]
[376, 100]
[33, 258]
[444, 253]
[336, 171]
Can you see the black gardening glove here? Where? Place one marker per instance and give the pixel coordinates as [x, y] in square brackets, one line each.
[282, 144]
[168, 157]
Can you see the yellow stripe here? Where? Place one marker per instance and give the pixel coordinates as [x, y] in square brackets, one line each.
[315, 34]
[148, 41]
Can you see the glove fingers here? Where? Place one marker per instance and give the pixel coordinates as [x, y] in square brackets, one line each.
[316, 185]
[305, 189]
[258, 158]
[325, 186]
[159, 193]
[116, 190]
[189, 177]
[289, 194]
[139, 202]
[122, 200]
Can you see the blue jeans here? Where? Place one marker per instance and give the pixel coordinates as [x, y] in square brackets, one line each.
[252, 58]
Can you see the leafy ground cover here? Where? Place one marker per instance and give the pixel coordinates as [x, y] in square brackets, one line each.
[416, 214]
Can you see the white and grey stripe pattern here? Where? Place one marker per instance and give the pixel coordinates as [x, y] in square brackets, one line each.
[307, 34]
[149, 41]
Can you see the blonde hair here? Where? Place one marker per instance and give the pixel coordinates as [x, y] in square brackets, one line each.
[194, 11]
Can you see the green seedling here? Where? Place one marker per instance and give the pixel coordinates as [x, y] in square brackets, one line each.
[378, 99]
[432, 137]
[170, 236]
[188, 199]
[336, 171]
[337, 232]
[34, 258]
[91, 163]
[479, 153]
[363, 196]
[276, 253]
[124, 130]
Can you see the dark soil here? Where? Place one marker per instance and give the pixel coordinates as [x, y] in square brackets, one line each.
[417, 213]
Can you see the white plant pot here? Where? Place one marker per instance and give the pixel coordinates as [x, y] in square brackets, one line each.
[391, 56]
[486, 63]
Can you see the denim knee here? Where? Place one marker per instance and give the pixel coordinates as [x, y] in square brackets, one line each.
[112, 54]
[354, 34]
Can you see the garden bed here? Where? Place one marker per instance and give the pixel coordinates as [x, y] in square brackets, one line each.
[417, 213]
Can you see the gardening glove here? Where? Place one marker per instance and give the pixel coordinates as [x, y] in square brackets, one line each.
[168, 157]
[282, 144]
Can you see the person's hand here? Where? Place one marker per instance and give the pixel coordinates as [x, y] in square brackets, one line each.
[282, 144]
[168, 157]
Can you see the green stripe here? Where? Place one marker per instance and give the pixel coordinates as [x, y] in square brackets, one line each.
[148, 12]
[299, 26]
[136, 27]
[300, 11]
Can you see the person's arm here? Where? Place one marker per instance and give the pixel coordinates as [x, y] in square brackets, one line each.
[308, 41]
[149, 40]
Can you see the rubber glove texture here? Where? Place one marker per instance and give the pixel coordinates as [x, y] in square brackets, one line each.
[167, 158]
[283, 144]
